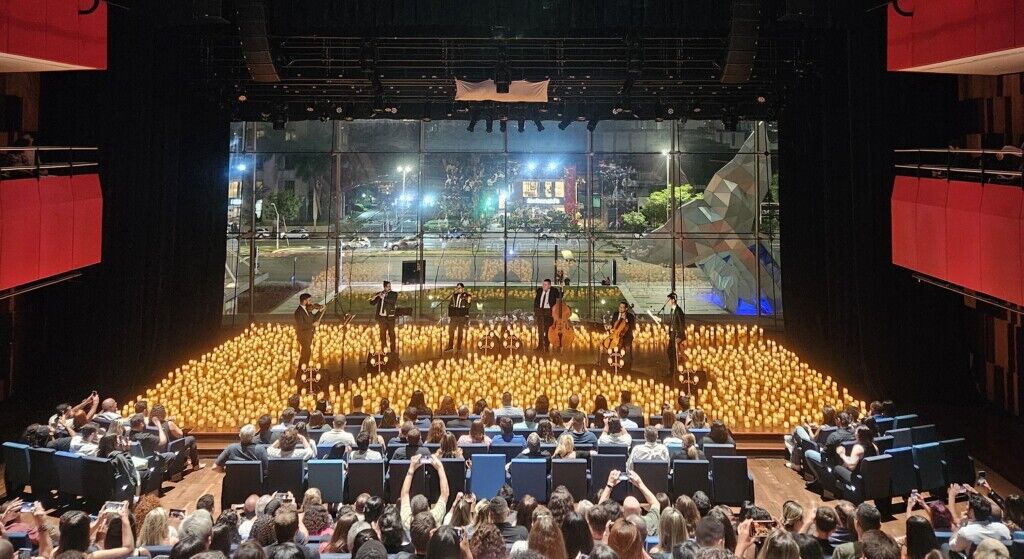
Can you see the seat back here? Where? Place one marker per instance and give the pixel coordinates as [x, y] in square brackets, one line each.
[397, 470]
[928, 461]
[613, 449]
[42, 473]
[711, 450]
[241, 479]
[600, 467]
[365, 476]
[488, 475]
[958, 465]
[823, 433]
[904, 476]
[904, 421]
[875, 477]
[98, 480]
[17, 473]
[883, 424]
[922, 434]
[388, 434]
[883, 443]
[286, 474]
[529, 477]
[510, 451]
[731, 483]
[655, 476]
[69, 473]
[699, 434]
[689, 477]
[455, 469]
[571, 473]
[471, 450]
[901, 438]
[329, 477]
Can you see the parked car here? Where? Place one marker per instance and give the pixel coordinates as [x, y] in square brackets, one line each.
[453, 234]
[356, 242]
[262, 233]
[405, 243]
[295, 234]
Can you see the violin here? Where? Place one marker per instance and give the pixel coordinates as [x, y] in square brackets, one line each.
[615, 333]
[560, 333]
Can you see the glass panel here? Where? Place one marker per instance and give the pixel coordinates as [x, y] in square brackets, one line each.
[632, 136]
[295, 189]
[546, 195]
[452, 135]
[631, 193]
[235, 143]
[379, 135]
[306, 135]
[549, 140]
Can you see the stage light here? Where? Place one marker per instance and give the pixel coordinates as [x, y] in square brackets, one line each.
[552, 165]
[761, 99]
[405, 197]
[531, 166]
[521, 125]
[538, 124]
[564, 124]
[241, 167]
[242, 98]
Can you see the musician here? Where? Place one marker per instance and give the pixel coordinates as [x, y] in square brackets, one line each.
[458, 315]
[307, 318]
[543, 302]
[385, 304]
[625, 344]
[676, 331]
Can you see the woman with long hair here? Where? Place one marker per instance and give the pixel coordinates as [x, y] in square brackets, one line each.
[487, 543]
[676, 436]
[542, 404]
[600, 405]
[546, 539]
[369, 426]
[449, 447]
[447, 406]
[339, 542]
[625, 540]
[389, 419]
[577, 536]
[719, 433]
[155, 529]
[779, 545]
[920, 538]
[463, 513]
[545, 431]
[690, 449]
[671, 531]
[436, 432]
[565, 449]
[488, 419]
[685, 505]
[476, 434]
[698, 420]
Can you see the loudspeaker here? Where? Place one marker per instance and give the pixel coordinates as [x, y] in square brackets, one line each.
[10, 113]
[744, 31]
[252, 26]
[414, 271]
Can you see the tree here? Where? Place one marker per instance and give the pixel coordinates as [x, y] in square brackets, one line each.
[657, 210]
[287, 204]
[635, 221]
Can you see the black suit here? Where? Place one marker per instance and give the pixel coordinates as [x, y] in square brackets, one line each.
[305, 327]
[542, 314]
[627, 339]
[384, 308]
[676, 332]
[458, 317]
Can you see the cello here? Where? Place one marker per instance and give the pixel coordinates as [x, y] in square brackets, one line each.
[561, 334]
[615, 333]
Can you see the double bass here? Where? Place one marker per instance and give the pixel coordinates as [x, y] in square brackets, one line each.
[561, 334]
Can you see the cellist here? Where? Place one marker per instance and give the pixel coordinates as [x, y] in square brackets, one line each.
[543, 302]
[625, 323]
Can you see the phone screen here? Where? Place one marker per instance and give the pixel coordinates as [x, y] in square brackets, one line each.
[178, 513]
[759, 529]
[112, 506]
[27, 507]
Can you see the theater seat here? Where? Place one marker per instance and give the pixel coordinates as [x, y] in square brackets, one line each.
[241, 479]
[655, 476]
[731, 483]
[904, 421]
[883, 443]
[872, 482]
[901, 438]
[600, 467]
[455, 469]
[286, 474]
[98, 479]
[329, 477]
[365, 476]
[18, 470]
[571, 473]
[510, 451]
[397, 470]
[42, 474]
[529, 477]
[957, 464]
[471, 450]
[883, 424]
[488, 475]
[69, 474]
[711, 450]
[904, 475]
[922, 434]
[690, 476]
[928, 462]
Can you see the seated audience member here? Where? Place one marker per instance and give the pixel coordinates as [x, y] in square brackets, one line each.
[286, 527]
[108, 410]
[436, 432]
[62, 422]
[631, 505]
[920, 538]
[487, 542]
[507, 409]
[499, 515]
[580, 434]
[85, 441]
[876, 544]
[389, 419]
[597, 521]
[149, 443]
[248, 515]
[189, 547]
[866, 519]
[671, 532]
[158, 415]
[683, 408]
[411, 506]
[422, 527]
[988, 549]
[74, 536]
[809, 547]
[463, 421]
[573, 409]
[864, 448]
[291, 444]
[632, 410]
[821, 461]
[625, 539]
[792, 516]
[566, 449]
[155, 529]
[542, 404]
[650, 450]
[668, 418]
[263, 426]
[614, 433]
[624, 419]
[476, 435]
[823, 525]
[689, 450]
[295, 402]
[676, 436]
[546, 432]
[546, 538]
[362, 449]
[419, 420]
[337, 434]
[698, 420]
[719, 434]
[490, 421]
[338, 543]
[559, 421]
[356, 409]
[369, 426]
[529, 422]
[710, 533]
[246, 449]
[448, 448]
[287, 420]
[507, 435]
[412, 446]
[977, 525]
[533, 449]
[447, 406]
[845, 531]
[576, 533]
[317, 520]
[317, 421]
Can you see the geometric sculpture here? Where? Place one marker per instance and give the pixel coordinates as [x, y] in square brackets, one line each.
[716, 232]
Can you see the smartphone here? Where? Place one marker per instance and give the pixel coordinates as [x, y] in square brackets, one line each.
[981, 476]
[759, 529]
[283, 497]
[177, 513]
[624, 476]
[238, 508]
[28, 506]
[113, 506]
[915, 496]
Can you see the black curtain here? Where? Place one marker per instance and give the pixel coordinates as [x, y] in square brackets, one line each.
[846, 306]
[156, 298]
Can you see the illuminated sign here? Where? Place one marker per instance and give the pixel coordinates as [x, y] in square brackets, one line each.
[548, 192]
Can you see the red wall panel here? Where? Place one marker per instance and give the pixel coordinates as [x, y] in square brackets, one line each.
[56, 225]
[930, 226]
[27, 28]
[92, 36]
[904, 212]
[943, 30]
[963, 234]
[900, 42]
[1018, 23]
[993, 25]
[62, 31]
[5, 14]
[1000, 254]
[19, 232]
[88, 238]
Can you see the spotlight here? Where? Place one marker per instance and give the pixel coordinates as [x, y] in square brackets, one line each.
[552, 165]
[538, 124]
[490, 125]
[564, 124]
[531, 166]
[761, 99]
[242, 98]
[241, 167]
[521, 125]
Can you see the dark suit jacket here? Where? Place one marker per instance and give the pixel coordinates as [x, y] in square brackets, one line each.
[553, 297]
[677, 323]
[627, 337]
[305, 324]
[389, 302]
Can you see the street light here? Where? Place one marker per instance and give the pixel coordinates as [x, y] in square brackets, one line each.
[405, 170]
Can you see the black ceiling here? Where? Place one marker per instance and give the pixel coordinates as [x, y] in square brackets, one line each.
[399, 58]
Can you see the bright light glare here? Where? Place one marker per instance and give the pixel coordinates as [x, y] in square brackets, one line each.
[429, 200]
[531, 166]
[241, 167]
[406, 197]
[552, 165]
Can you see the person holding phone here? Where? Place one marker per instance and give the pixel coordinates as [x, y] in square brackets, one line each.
[410, 507]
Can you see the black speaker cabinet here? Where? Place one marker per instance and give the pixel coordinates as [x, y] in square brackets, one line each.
[414, 271]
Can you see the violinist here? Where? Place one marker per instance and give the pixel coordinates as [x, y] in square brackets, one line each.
[543, 302]
[623, 326]
[307, 318]
[458, 316]
[385, 305]
[676, 332]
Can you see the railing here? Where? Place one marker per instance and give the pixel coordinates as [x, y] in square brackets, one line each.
[34, 161]
[998, 166]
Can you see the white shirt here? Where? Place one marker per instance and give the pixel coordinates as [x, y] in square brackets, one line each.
[544, 299]
[975, 532]
[628, 423]
[335, 436]
[647, 451]
[509, 411]
[81, 447]
[109, 415]
[621, 437]
[299, 452]
[380, 308]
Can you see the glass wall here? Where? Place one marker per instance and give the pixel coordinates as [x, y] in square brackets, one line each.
[628, 211]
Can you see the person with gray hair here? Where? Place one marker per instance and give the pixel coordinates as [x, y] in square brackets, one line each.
[198, 525]
[350, 539]
[246, 449]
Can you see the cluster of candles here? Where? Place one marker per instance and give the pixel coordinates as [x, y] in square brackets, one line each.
[752, 382]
